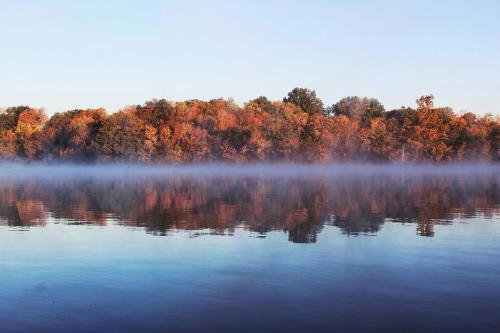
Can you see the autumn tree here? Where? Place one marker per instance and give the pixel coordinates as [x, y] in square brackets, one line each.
[378, 141]
[121, 136]
[357, 108]
[29, 133]
[403, 124]
[8, 137]
[263, 104]
[72, 134]
[479, 139]
[345, 142]
[284, 131]
[435, 125]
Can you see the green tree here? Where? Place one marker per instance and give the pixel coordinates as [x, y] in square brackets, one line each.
[306, 100]
[263, 104]
[362, 109]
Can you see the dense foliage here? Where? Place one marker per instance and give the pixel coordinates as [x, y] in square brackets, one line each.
[299, 128]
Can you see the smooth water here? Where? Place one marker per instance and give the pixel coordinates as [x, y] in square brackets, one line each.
[259, 249]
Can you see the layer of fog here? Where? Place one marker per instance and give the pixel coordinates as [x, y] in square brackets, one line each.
[10, 170]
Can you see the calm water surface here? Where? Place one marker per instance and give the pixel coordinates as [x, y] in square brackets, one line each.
[261, 249]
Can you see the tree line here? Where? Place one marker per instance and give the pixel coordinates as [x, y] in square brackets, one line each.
[298, 128]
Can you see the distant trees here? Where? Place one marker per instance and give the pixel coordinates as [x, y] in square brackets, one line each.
[21, 130]
[72, 134]
[361, 109]
[8, 137]
[121, 135]
[297, 128]
[306, 100]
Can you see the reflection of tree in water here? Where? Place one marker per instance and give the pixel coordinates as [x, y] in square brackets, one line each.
[304, 233]
[23, 213]
[355, 204]
[425, 228]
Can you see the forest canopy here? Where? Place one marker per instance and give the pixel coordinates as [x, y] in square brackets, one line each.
[298, 128]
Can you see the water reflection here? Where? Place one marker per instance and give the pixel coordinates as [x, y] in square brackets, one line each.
[300, 206]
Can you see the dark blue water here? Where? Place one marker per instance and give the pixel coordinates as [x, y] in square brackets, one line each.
[322, 251]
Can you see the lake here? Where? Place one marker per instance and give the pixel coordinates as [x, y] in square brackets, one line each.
[264, 248]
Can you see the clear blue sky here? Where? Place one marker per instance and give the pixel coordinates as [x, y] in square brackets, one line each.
[76, 54]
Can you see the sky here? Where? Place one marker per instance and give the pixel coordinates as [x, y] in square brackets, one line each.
[63, 55]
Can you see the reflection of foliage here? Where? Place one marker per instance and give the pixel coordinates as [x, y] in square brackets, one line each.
[297, 128]
[425, 228]
[357, 204]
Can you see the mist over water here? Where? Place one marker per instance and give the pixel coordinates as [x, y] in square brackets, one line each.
[264, 247]
[115, 170]
[297, 199]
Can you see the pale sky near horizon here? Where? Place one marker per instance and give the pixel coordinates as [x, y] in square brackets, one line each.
[63, 55]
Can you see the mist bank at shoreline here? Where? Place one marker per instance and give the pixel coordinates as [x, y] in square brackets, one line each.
[10, 170]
